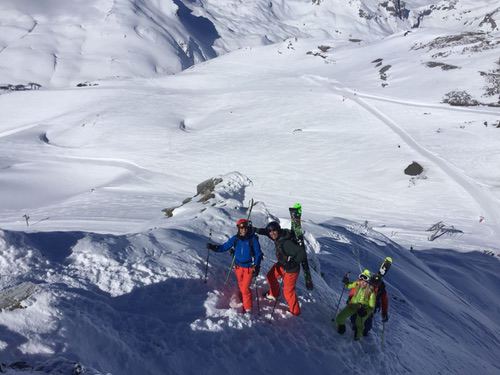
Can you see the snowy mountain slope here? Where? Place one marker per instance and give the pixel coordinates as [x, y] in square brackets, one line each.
[79, 41]
[137, 303]
[65, 44]
[134, 141]
[330, 121]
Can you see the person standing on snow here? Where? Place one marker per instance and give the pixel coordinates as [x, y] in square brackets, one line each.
[381, 303]
[290, 256]
[247, 258]
[361, 303]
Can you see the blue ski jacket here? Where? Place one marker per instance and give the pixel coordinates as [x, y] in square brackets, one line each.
[247, 252]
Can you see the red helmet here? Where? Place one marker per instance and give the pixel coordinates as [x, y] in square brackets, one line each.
[242, 223]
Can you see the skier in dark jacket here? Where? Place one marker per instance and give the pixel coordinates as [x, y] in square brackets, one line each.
[247, 258]
[289, 257]
[381, 303]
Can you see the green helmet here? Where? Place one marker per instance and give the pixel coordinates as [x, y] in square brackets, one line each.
[365, 275]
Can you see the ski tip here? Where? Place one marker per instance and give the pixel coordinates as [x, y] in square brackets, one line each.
[297, 206]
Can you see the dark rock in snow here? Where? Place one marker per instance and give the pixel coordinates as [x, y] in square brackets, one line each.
[414, 169]
[206, 188]
[443, 66]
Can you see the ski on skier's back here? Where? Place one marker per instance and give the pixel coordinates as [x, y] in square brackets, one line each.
[295, 216]
[385, 266]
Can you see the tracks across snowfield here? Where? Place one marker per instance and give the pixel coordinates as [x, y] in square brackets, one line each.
[488, 206]
[418, 104]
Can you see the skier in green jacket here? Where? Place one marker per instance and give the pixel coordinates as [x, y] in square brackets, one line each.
[362, 303]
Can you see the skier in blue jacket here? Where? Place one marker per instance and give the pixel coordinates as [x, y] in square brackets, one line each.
[247, 258]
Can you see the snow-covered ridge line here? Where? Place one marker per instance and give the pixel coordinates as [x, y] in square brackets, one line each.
[138, 303]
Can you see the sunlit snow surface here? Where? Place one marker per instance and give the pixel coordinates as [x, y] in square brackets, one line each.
[122, 287]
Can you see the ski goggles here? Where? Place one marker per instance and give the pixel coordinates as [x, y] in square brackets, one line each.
[362, 276]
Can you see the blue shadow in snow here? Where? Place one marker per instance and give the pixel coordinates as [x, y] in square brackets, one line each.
[202, 29]
[55, 246]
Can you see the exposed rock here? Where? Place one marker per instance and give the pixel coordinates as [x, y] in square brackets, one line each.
[86, 84]
[460, 98]
[492, 78]
[395, 8]
[382, 72]
[471, 42]
[364, 14]
[420, 17]
[230, 189]
[206, 188]
[169, 212]
[414, 169]
[489, 19]
[443, 66]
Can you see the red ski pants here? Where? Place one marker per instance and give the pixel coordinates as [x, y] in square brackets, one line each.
[244, 278]
[289, 281]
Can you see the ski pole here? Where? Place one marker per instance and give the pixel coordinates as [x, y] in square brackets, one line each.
[229, 270]
[257, 296]
[277, 298]
[340, 299]
[383, 336]
[208, 256]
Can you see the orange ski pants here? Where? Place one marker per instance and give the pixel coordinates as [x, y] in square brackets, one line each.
[244, 278]
[289, 281]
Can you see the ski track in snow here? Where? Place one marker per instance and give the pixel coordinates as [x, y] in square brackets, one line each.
[416, 104]
[488, 205]
[7, 133]
[20, 129]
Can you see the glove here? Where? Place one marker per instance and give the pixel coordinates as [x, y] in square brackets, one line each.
[345, 279]
[213, 247]
[231, 251]
[256, 271]
[362, 312]
[385, 317]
